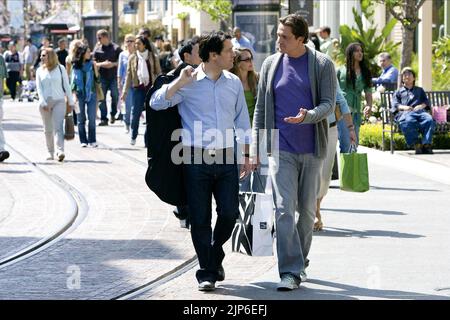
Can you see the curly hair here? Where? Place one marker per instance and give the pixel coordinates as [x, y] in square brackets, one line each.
[350, 66]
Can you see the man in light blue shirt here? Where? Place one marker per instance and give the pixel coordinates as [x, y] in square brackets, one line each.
[389, 76]
[241, 41]
[212, 107]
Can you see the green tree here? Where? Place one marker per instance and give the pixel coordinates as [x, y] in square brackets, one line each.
[218, 10]
[407, 12]
[156, 28]
[372, 43]
[441, 61]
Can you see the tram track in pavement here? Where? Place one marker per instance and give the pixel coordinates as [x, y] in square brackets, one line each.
[164, 278]
[79, 209]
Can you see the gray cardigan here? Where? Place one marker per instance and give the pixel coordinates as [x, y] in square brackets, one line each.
[324, 99]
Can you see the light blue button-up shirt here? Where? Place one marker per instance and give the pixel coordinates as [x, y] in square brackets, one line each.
[389, 75]
[212, 112]
[340, 99]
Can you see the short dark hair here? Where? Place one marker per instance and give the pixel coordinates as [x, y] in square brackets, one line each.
[145, 31]
[298, 25]
[212, 42]
[102, 33]
[410, 70]
[187, 47]
[326, 29]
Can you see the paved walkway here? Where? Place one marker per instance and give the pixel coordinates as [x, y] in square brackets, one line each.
[388, 243]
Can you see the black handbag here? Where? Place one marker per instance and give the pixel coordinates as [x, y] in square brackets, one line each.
[69, 127]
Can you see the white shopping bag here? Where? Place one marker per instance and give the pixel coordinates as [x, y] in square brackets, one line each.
[253, 233]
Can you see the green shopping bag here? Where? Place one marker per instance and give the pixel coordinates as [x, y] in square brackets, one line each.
[354, 171]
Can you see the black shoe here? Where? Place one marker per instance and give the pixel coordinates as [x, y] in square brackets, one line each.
[112, 120]
[4, 155]
[220, 273]
[120, 117]
[427, 149]
[418, 148]
[103, 123]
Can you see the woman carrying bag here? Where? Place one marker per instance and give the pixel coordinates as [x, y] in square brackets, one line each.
[85, 73]
[53, 87]
[142, 70]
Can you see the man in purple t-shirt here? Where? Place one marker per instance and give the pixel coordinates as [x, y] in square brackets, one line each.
[296, 93]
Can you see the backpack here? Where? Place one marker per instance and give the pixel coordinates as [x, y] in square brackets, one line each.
[163, 177]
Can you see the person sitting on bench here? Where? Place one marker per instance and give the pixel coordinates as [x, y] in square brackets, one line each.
[409, 103]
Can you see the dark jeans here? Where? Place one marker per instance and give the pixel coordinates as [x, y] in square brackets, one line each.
[91, 109]
[202, 181]
[111, 85]
[136, 110]
[11, 82]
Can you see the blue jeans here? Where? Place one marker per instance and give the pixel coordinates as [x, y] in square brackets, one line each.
[136, 111]
[415, 122]
[344, 135]
[202, 181]
[128, 107]
[81, 118]
[111, 85]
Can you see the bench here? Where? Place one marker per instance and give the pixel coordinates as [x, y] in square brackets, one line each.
[437, 98]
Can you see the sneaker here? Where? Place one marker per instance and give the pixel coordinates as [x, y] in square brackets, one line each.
[51, 157]
[61, 156]
[220, 273]
[303, 276]
[127, 128]
[288, 282]
[418, 148]
[206, 286]
[133, 142]
[84, 145]
[4, 155]
[93, 144]
[103, 123]
[427, 149]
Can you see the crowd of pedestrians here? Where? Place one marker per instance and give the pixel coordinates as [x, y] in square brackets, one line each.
[298, 93]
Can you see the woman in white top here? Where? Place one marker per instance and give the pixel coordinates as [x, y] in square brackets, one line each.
[53, 86]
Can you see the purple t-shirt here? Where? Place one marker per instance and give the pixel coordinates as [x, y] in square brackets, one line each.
[292, 90]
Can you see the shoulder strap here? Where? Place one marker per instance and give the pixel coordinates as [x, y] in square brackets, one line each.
[62, 79]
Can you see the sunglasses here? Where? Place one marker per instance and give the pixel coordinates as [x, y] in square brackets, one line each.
[247, 59]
